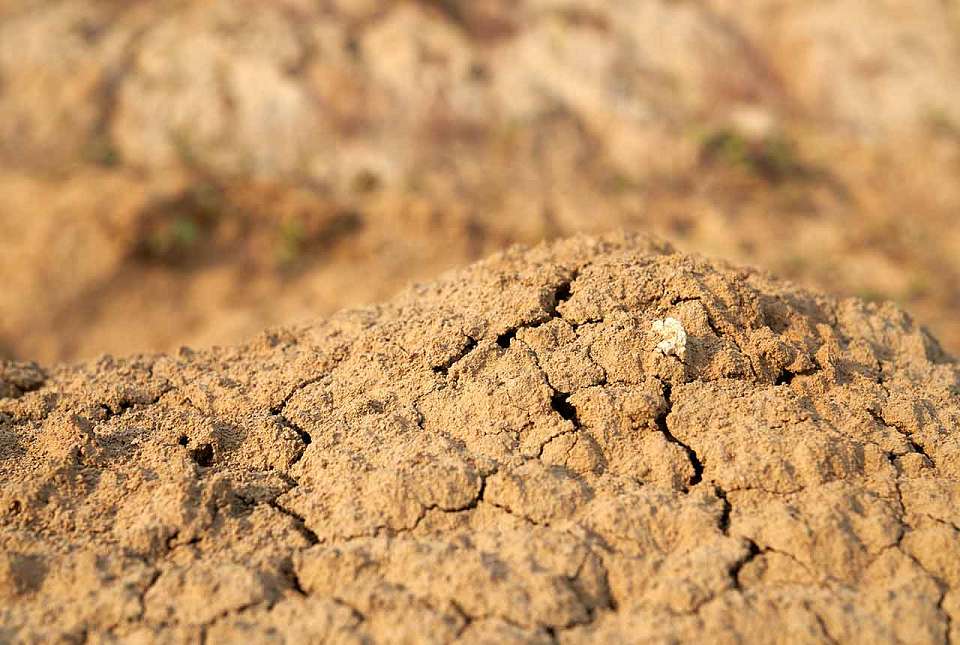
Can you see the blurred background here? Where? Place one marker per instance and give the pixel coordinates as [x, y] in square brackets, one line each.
[189, 172]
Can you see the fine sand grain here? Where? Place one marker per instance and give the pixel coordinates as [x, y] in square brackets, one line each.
[500, 456]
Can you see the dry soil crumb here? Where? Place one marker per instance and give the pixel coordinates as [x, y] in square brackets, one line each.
[500, 456]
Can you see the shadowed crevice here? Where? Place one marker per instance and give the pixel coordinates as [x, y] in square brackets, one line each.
[661, 422]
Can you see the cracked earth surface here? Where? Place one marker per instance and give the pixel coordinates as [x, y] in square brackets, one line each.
[500, 456]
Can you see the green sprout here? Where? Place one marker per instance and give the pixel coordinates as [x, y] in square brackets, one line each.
[774, 158]
[173, 238]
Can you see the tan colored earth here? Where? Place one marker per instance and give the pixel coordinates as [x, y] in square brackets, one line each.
[500, 456]
[207, 168]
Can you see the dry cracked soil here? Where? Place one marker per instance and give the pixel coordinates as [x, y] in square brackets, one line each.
[500, 456]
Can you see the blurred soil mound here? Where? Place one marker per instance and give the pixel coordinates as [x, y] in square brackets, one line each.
[205, 169]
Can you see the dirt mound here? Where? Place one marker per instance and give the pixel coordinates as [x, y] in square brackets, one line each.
[510, 454]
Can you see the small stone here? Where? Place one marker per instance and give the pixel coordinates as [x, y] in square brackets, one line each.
[673, 337]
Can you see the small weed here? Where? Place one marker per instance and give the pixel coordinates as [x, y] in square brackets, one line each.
[726, 146]
[299, 237]
[173, 231]
[774, 158]
[173, 238]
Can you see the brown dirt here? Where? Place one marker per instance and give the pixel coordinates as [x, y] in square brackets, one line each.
[500, 456]
[208, 169]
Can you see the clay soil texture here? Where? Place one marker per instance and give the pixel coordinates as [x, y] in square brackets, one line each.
[502, 455]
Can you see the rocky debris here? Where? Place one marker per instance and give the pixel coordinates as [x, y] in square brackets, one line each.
[501, 456]
[674, 336]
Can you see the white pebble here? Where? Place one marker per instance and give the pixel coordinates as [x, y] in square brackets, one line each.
[673, 337]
